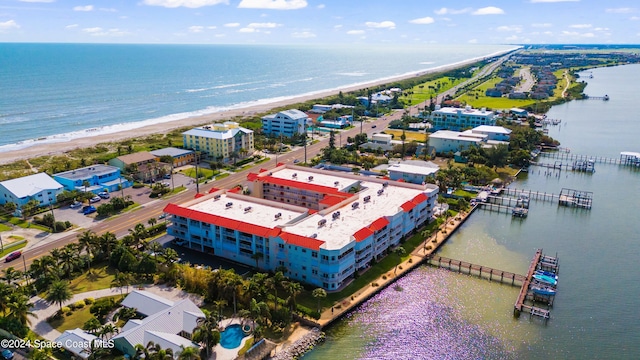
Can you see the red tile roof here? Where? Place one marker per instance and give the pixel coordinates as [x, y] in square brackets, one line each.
[303, 241]
[379, 224]
[263, 170]
[213, 190]
[177, 210]
[331, 200]
[304, 185]
[408, 206]
[198, 195]
[362, 234]
[252, 176]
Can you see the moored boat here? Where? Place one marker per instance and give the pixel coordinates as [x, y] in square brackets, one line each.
[547, 273]
[543, 290]
[545, 279]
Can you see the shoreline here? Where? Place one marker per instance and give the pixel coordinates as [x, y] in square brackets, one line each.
[60, 147]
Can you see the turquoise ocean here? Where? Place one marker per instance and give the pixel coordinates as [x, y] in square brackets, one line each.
[57, 92]
[444, 315]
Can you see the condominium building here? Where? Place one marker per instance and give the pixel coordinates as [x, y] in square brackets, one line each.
[285, 123]
[319, 226]
[224, 141]
[94, 178]
[457, 119]
[40, 187]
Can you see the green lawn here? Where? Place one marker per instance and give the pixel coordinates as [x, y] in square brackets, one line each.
[100, 278]
[13, 247]
[75, 320]
[4, 227]
[27, 225]
[411, 135]
[203, 172]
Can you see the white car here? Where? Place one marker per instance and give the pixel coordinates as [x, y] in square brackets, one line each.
[95, 199]
[75, 205]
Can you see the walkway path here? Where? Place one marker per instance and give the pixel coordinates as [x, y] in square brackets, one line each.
[42, 309]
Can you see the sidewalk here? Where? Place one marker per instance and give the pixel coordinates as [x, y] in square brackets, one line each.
[42, 309]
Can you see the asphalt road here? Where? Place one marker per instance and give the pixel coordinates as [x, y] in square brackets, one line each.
[121, 224]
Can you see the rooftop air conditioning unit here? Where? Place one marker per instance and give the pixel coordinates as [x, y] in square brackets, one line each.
[247, 209]
[278, 215]
[295, 175]
[313, 236]
[310, 178]
[335, 215]
[216, 197]
[228, 205]
[386, 183]
[355, 205]
[380, 192]
[367, 198]
[322, 222]
[336, 183]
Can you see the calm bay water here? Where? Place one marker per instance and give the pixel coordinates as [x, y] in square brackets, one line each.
[443, 315]
[55, 92]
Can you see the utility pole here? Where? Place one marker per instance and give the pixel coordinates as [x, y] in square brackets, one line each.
[1, 245]
[197, 182]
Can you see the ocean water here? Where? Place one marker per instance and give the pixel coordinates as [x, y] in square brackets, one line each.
[57, 92]
[445, 315]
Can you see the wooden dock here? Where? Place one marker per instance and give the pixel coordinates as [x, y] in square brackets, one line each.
[533, 195]
[527, 297]
[483, 272]
[577, 157]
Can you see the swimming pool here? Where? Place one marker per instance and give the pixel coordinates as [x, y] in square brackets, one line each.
[231, 337]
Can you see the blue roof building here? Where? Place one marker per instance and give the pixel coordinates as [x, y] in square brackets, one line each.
[98, 177]
[285, 123]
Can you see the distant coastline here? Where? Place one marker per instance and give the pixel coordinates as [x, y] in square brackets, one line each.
[58, 144]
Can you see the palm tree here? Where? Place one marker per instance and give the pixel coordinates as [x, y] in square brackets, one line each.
[86, 184]
[258, 312]
[59, 292]
[207, 333]
[11, 275]
[5, 292]
[152, 221]
[67, 259]
[219, 305]
[257, 257]
[232, 285]
[426, 234]
[188, 353]
[156, 352]
[108, 329]
[400, 252]
[273, 282]
[106, 242]
[122, 279]
[293, 289]
[20, 309]
[256, 286]
[87, 242]
[319, 294]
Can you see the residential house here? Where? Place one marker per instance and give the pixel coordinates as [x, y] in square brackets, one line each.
[285, 123]
[170, 327]
[143, 166]
[451, 141]
[181, 157]
[40, 187]
[79, 343]
[497, 133]
[227, 141]
[412, 172]
[94, 178]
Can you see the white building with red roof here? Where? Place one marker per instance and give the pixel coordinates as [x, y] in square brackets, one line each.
[320, 226]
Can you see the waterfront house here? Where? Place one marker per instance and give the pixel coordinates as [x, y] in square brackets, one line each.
[415, 173]
[321, 226]
[180, 157]
[445, 140]
[40, 187]
[94, 178]
[497, 133]
[285, 123]
[227, 141]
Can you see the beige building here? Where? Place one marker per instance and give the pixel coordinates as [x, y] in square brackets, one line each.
[220, 140]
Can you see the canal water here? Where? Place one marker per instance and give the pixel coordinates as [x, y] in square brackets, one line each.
[437, 314]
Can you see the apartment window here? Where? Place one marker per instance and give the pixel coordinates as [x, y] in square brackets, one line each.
[314, 254]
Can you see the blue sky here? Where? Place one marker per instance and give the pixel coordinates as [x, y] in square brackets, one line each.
[322, 21]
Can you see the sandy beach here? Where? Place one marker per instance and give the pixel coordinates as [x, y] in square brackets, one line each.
[56, 148]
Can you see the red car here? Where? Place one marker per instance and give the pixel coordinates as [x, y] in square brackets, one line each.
[14, 255]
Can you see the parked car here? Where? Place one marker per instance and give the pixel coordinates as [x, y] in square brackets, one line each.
[162, 216]
[104, 195]
[14, 255]
[373, 126]
[95, 199]
[88, 210]
[167, 176]
[75, 205]
[296, 161]
[7, 354]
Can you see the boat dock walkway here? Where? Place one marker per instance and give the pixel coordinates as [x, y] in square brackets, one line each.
[484, 272]
[527, 299]
[518, 211]
[626, 158]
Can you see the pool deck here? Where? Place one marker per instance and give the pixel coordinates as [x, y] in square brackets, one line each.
[221, 353]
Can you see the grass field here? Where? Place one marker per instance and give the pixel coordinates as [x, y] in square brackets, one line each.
[411, 135]
[75, 320]
[4, 227]
[100, 278]
[13, 247]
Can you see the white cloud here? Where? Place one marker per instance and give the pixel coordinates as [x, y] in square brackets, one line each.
[38, 1]
[620, 10]
[263, 25]
[72, 26]
[473, 41]
[92, 30]
[185, 3]
[355, 32]
[9, 25]
[321, 6]
[601, 29]
[231, 25]
[577, 34]
[510, 28]
[111, 32]
[552, 1]
[83, 8]
[424, 20]
[489, 10]
[541, 25]
[580, 26]
[445, 11]
[381, 25]
[247, 30]
[634, 18]
[196, 29]
[108, 9]
[273, 4]
[212, 27]
[337, 26]
[303, 35]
